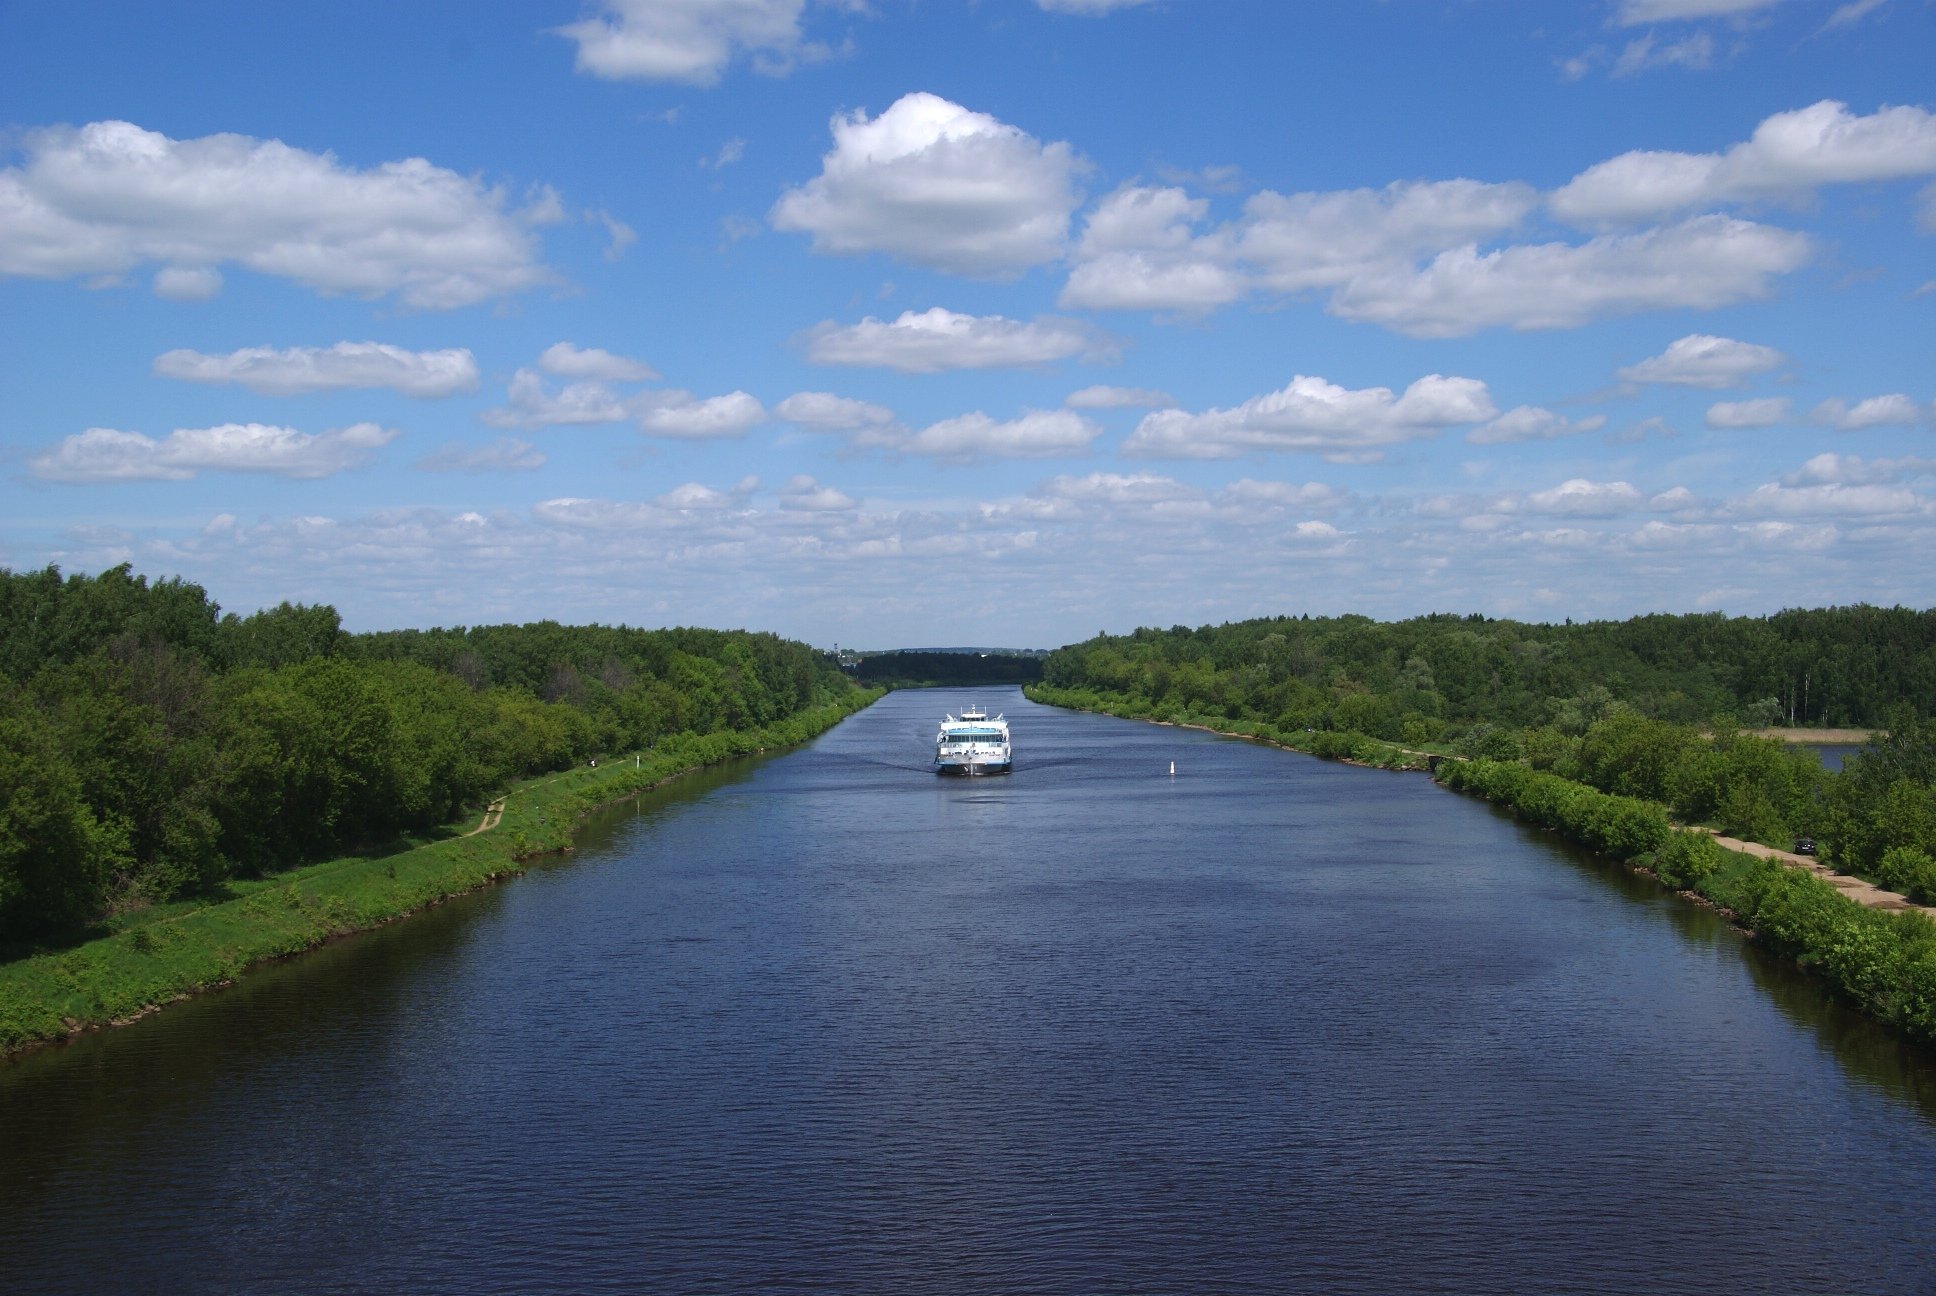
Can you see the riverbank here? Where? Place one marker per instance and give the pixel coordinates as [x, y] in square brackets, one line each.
[1327, 744]
[1880, 956]
[169, 955]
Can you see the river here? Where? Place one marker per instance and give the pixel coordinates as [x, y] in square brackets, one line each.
[827, 1022]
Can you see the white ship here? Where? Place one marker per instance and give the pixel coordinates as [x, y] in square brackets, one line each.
[972, 744]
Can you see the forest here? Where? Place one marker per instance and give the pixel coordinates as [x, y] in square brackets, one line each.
[917, 669]
[152, 746]
[1655, 709]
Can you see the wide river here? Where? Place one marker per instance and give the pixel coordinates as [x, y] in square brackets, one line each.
[827, 1022]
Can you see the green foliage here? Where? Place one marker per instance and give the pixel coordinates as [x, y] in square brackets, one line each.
[155, 748]
[907, 669]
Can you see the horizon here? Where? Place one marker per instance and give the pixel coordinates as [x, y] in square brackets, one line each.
[950, 322]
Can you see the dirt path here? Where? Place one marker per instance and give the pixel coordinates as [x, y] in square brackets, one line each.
[1863, 893]
[492, 813]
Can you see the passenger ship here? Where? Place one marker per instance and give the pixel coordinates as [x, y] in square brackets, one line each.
[972, 744]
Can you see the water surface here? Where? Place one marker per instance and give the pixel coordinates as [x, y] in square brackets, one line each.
[827, 1022]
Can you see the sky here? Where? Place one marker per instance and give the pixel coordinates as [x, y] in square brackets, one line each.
[896, 323]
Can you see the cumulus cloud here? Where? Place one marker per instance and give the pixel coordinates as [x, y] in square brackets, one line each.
[506, 454]
[1765, 411]
[1532, 423]
[1833, 499]
[1313, 240]
[1789, 154]
[1314, 415]
[689, 41]
[296, 371]
[109, 455]
[682, 416]
[936, 340]
[802, 494]
[932, 183]
[568, 361]
[1582, 498]
[188, 283]
[1102, 397]
[1140, 248]
[1703, 263]
[1830, 469]
[1893, 410]
[106, 198]
[1703, 360]
[1037, 434]
[530, 405]
[1139, 251]
[826, 412]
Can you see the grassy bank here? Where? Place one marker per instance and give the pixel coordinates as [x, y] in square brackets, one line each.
[1882, 962]
[168, 954]
[1355, 748]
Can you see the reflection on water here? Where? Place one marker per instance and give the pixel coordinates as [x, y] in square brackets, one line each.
[827, 1020]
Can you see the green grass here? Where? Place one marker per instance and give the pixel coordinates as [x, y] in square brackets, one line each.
[164, 953]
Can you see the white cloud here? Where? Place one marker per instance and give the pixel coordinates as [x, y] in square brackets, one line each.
[619, 236]
[1138, 252]
[108, 197]
[678, 414]
[1677, 499]
[506, 454]
[1532, 423]
[1893, 410]
[1703, 263]
[729, 152]
[936, 340]
[106, 455]
[1037, 434]
[568, 361]
[1117, 489]
[932, 183]
[1641, 55]
[1765, 411]
[1789, 154]
[1634, 12]
[344, 366]
[188, 283]
[1829, 500]
[1830, 469]
[1315, 415]
[1703, 360]
[576, 405]
[802, 494]
[1313, 497]
[1313, 240]
[1582, 498]
[1103, 397]
[1139, 249]
[691, 41]
[826, 412]
[1852, 12]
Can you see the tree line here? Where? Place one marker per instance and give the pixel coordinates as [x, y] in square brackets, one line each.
[152, 746]
[1650, 709]
[916, 669]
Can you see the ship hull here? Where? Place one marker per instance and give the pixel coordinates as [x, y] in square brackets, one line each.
[971, 769]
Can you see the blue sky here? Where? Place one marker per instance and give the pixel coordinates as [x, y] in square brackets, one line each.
[915, 322]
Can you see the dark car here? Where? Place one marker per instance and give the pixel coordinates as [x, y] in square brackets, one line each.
[1804, 846]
